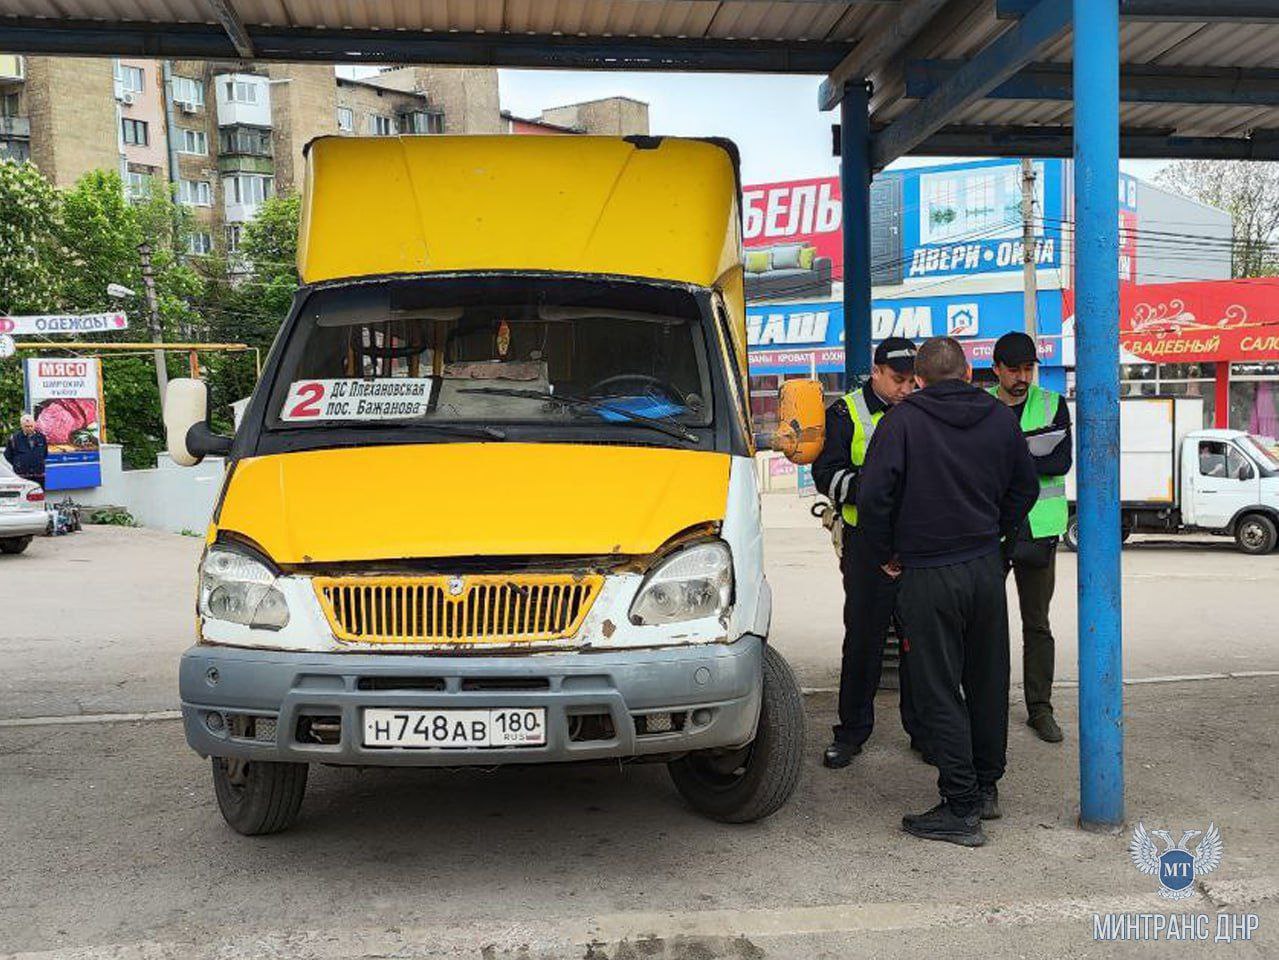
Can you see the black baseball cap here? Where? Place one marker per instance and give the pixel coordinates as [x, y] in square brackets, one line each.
[897, 353]
[1014, 349]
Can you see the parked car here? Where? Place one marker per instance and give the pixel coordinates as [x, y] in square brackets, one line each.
[22, 513]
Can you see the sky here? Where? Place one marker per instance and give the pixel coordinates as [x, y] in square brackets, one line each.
[774, 120]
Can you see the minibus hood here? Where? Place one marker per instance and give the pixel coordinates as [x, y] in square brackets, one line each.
[471, 500]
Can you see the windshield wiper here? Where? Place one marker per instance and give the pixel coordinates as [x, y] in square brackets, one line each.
[455, 429]
[452, 429]
[662, 426]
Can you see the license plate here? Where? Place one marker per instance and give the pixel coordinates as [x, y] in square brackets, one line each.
[426, 729]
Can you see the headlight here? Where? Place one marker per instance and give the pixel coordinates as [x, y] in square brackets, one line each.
[695, 582]
[239, 589]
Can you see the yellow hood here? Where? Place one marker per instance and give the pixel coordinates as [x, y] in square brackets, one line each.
[471, 499]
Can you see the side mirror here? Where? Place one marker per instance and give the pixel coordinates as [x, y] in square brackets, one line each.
[186, 423]
[801, 421]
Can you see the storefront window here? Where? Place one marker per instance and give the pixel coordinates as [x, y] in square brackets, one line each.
[764, 394]
[1254, 398]
[1171, 380]
[832, 386]
[764, 401]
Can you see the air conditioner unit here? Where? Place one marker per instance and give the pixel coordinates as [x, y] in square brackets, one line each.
[128, 97]
[186, 107]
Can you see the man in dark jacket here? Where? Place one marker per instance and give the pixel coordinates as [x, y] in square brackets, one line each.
[27, 450]
[948, 480]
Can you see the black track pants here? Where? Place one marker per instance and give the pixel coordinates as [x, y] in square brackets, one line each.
[870, 597]
[957, 620]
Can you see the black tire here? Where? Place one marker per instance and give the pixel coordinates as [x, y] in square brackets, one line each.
[1255, 534]
[1070, 539]
[258, 797]
[14, 544]
[742, 786]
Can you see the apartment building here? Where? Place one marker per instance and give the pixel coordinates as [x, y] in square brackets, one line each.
[225, 136]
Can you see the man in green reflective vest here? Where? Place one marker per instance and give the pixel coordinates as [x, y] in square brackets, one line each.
[870, 595]
[1045, 420]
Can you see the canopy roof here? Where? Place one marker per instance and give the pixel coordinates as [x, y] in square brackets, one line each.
[1201, 77]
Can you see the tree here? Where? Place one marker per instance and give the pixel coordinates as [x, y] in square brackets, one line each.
[102, 233]
[58, 252]
[30, 239]
[30, 250]
[249, 308]
[1249, 192]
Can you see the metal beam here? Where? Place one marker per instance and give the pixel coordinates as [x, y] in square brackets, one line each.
[854, 179]
[1170, 11]
[200, 41]
[1096, 248]
[876, 49]
[1137, 84]
[1134, 144]
[995, 63]
[233, 25]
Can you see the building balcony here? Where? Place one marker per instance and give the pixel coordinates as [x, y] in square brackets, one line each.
[234, 163]
[13, 68]
[430, 120]
[240, 212]
[245, 141]
[242, 99]
[15, 128]
[15, 150]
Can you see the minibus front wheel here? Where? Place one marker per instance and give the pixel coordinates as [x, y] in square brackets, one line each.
[751, 783]
[258, 797]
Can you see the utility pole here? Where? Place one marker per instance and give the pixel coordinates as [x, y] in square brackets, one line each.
[1030, 281]
[153, 312]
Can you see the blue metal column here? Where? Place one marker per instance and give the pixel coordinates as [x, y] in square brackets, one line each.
[1101, 741]
[854, 177]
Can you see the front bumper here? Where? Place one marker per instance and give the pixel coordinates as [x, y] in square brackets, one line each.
[714, 688]
[23, 523]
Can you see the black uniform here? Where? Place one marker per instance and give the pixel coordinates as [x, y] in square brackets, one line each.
[948, 476]
[870, 595]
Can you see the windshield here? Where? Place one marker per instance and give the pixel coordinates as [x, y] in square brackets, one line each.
[365, 355]
[1264, 451]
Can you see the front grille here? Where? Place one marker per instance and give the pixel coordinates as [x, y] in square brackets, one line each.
[520, 608]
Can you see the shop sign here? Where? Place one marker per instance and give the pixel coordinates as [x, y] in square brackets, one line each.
[799, 337]
[1198, 322]
[65, 396]
[964, 219]
[47, 324]
[806, 212]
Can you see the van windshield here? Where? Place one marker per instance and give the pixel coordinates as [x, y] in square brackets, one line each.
[362, 355]
[1265, 452]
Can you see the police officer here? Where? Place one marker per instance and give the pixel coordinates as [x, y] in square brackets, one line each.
[869, 594]
[1045, 420]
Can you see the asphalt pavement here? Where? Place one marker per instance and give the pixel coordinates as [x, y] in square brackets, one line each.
[113, 846]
